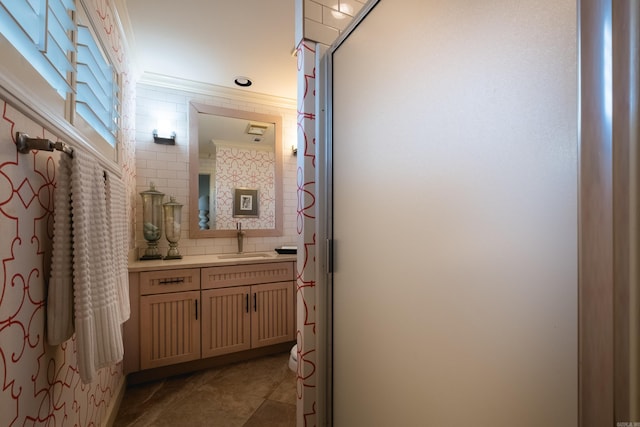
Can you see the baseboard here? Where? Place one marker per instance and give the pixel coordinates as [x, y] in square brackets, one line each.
[112, 410]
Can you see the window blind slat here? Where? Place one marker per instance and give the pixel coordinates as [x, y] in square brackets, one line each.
[65, 5]
[96, 86]
[69, 4]
[89, 97]
[92, 119]
[60, 24]
[90, 65]
[59, 43]
[85, 39]
[28, 17]
[43, 36]
[58, 58]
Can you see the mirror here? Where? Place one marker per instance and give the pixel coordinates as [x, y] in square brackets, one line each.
[235, 172]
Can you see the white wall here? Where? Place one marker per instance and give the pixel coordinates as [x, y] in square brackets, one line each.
[455, 215]
[168, 166]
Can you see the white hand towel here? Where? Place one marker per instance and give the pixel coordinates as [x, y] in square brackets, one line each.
[89, 283]
[116, 200]
[96, 305]
[60, 292]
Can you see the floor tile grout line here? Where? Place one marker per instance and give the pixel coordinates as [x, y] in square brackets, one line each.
[253, 413]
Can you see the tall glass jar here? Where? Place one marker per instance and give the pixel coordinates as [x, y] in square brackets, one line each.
[152, 221]
[172, 222]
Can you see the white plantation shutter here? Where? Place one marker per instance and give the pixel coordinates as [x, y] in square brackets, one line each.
[97, 89]
[41, 31]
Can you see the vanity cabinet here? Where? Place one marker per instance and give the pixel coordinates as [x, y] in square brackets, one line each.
[246, 308]
[169, 324]
[190, 314]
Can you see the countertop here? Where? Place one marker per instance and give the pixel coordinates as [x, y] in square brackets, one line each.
[196, 261]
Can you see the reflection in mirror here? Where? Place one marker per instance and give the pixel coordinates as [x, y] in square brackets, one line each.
[235, 172]
[235, 155]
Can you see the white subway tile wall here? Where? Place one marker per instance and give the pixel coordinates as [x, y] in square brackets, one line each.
[324, 20]
[167, 166]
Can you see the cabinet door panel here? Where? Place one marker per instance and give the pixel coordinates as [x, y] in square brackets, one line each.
[169, 329]
[272, 314]
[226, 321]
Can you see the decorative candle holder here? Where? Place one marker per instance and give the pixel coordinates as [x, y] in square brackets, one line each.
[203, 212]
[151, 221]
[172, 222]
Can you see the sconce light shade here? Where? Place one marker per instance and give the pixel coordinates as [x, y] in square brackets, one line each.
[165, 140]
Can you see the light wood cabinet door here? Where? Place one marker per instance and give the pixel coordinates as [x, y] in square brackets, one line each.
[169, 329]
[272, 315]
[226, 320]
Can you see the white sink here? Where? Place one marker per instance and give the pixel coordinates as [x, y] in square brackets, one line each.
[250, 255]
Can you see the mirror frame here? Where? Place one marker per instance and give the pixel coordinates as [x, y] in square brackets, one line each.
[194, 227]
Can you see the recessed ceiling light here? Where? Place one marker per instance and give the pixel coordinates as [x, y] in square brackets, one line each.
[243, 81]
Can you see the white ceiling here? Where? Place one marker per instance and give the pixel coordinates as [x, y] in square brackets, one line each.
[214, 41]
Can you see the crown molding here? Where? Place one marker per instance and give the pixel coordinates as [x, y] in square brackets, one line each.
[201, 88]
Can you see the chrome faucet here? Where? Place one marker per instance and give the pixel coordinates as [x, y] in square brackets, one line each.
[240, 236]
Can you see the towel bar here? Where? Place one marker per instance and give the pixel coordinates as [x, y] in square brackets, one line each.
[24, 144]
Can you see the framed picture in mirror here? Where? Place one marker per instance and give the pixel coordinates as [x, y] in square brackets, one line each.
[245, 203]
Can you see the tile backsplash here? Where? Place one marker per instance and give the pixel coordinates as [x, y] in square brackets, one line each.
[167, 166]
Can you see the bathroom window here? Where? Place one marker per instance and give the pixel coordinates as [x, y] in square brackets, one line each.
[41, 31]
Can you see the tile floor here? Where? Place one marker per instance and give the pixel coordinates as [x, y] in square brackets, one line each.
[260, 392]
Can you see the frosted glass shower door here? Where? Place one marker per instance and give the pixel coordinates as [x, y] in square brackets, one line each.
[454, 221]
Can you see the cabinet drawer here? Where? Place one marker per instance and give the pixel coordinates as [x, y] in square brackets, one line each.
[248, 274]
[161, 282]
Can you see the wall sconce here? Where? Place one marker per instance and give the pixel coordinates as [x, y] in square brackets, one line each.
[165, 140]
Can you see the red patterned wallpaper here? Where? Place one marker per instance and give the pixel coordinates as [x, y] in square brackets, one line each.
[306, 226]
[40, 384]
